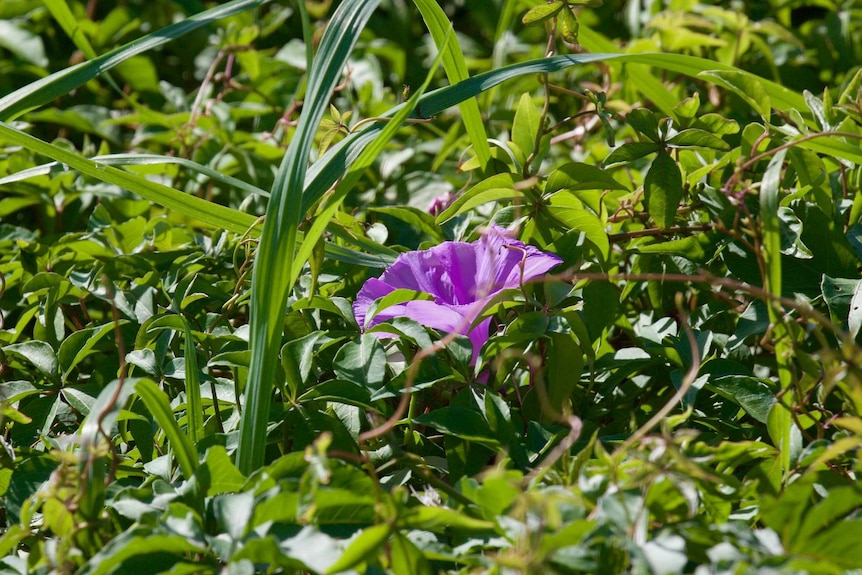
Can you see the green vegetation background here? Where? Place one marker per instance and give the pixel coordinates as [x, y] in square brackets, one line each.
[184, 388]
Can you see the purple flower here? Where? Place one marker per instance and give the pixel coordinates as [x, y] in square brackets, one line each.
[440, 203]
[461, 277]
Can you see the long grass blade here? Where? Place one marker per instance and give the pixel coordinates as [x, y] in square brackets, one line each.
[276, 254]
[329, 168]
[140, 160]
[160, 408]
[363, 162]
[456, 70]
[60, 83]
[203, 211]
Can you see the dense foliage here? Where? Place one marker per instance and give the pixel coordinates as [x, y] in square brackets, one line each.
[193, 195]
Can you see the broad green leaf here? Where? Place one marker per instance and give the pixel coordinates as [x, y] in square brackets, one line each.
[462, 423]
[441, 519]
[27, 477]
[134, 544]
[362, 362]
[576, 176]
[23, 43]
[838, 293]
[369, 541]
[568, 24]
[631, 151]
[39, 354]
[696, 248]
[663, 189]
[755, 397]
[645, 122]
[217, 474]
[81, 344]
[694, 138]
[527, 125]
[565, 364]
[233, 512]
[407, 559]
[576, 218]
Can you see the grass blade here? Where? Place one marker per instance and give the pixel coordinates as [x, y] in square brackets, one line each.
[141, 160]
[276, 255]
[60, 83]
[191, 206]
[159, 407]
[456, 70]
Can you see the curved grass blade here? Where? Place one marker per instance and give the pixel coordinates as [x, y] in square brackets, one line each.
[140, 160]
[357, 168]
[329, 168]
[456, 70]
[276, 255]
[159, 407]
[206, 212]
[61, 83]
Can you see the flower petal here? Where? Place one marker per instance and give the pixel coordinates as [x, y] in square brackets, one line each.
[500, 258]
[462, 278]
[372, 290]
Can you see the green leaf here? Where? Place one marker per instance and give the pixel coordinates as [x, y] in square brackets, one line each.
[837, 293]
[462, 423]
[135, 546]
[568, 25]
[407, 559]
[576, 176]
[297, 357]
[80, 345]
[565, 364]
[369, 541]
[542, 12]
[497, 188]
[696, 248]
[233, 512]
[362, 362]
[576, 218]
[694, 138]
[645, 122]
[755, 397]
[663, 190]
[39, 354]
[217, 474]
[631, 151]
[527, 125]
[27, 477]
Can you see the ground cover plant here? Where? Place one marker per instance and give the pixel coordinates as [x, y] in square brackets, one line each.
[473, 286]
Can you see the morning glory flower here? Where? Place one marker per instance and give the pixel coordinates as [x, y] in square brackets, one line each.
[462, 279]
